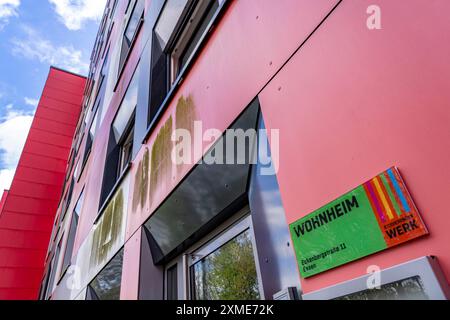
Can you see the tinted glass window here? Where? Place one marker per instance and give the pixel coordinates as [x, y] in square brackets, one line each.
[106, 286]
[134, 21]
[53, 269]
[406, 289]
[229, 273]
[172, 283]
[131, 31]
[72, 232]
[168, 20]
[196, 37]
[127, 107]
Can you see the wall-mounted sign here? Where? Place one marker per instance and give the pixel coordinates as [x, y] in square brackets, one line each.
[375, 216]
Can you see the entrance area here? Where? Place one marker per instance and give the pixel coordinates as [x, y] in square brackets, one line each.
[220, 267]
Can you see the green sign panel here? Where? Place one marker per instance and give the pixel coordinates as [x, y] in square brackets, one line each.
[375, 216]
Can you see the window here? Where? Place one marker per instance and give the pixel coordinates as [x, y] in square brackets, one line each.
[103, 72]
[90, 137]
[411, 288]
[72, 233]
[44, 284]
[172, 282]
[113, 8]
[180, 29]
[126, 150]
[121, 137]
[191, 36]
[134, 24]
[107, 284]
[54, 266]
[221, 266]
[67, 200]
[76, 172]
[225, 268]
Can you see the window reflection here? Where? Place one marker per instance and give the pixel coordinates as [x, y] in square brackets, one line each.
[406, 289]
[229, 273]
[169, 18]
[106, 286]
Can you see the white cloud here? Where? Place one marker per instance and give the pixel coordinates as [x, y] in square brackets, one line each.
[34, 46]
[14, 128]
[74, 13]
[8, 8]
[31, 102]
[6, 178]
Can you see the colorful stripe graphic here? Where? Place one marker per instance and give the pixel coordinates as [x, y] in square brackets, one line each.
[382, 196]
[391, 195]
[386, 196]
[398, 191]
[372, 196]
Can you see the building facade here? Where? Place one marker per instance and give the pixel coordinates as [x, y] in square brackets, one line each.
[338, 91]
[27, 210]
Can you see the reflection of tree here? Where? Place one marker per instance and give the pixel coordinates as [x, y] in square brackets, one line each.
[107, 283]
[229, 273]
[407, 289]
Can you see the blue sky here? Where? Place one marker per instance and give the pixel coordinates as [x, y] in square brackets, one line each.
[35, 34]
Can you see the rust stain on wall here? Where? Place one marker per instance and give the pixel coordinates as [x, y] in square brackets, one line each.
[108, 230]
[141, 181]
[186, 114]
[161, 161]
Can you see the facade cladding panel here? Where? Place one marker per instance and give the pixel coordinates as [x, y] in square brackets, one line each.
[28, 210]
[349, 102]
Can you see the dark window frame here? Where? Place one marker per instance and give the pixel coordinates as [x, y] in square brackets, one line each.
[90, 140]
[126, 136]
[171, 277]
[173, 88]
[123, 63]
[119, 175]
[65, 267]
[105, 198]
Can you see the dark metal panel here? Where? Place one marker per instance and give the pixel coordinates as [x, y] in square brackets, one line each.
[151, 277]
[208, 191]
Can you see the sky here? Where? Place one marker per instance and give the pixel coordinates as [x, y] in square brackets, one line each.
[35, 34]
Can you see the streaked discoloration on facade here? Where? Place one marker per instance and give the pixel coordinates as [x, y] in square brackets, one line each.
[141, 181]
[161, 164]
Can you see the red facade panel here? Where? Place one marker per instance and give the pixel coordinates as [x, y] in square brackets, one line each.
[28, 212]
[58, 105]
[3, 200]
[42, 162]
[18, 204]
[21, 259]
[37, 175]
[27, 222]
[20, 294]
[53, 127]
[378, 100]
[43, 149]
[51, 139]
[57, 116]
[36, 190]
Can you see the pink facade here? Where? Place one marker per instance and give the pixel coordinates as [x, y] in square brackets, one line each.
[349, 103]
[378, 99]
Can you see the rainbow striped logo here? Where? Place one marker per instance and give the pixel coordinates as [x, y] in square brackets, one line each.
[386, 196]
